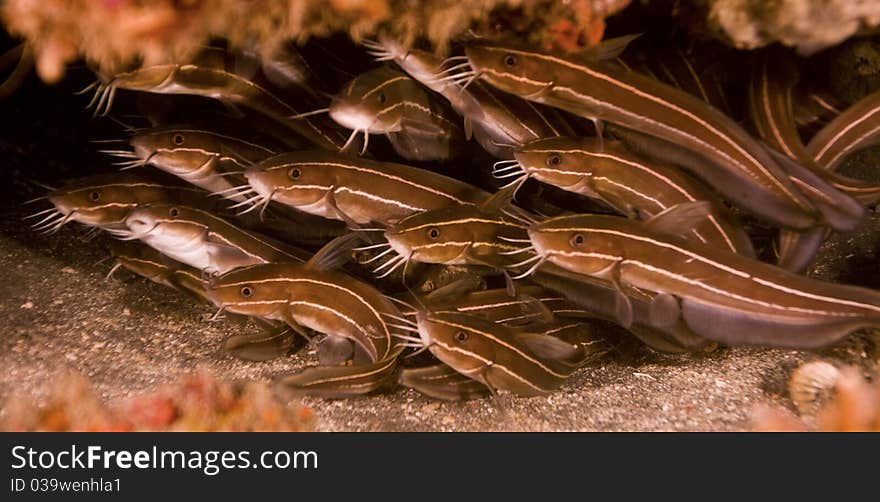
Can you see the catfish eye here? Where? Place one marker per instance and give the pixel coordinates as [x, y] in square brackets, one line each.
[382, 98]
[577, 240]
[294, 173]
[178, 139]
[510, 60]
[94, 196]
[554, 160]
[247, 291]
[461, 336]
[433, 233]
[173, 212]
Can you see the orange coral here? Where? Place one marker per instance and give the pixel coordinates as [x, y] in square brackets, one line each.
[200, 402]
[854, 406]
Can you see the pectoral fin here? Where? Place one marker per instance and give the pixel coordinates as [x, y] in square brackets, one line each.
[343, 381]
[262, 346]
[664, 310]
[442, 382]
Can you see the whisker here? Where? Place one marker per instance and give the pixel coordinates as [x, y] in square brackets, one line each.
[363, 229]
[521, 179]
[465, 86]
[107, 141]
[514, 167]
[404, 328]
[400, 319]
[373, 246]
[99, 89]
[233, 189]
[119, 153]
[424, 348]
[110, 100]
[366, 142]
[247, 202]
[378, 256]
[104, 93]
[511, 239]
[406, 304]
[406, 337]
[525, 262]
[216, 315]
[31, 201]
[506, 175]
[454, 58]
[389, 263]
[413, 345]
[308, 114]
[517, 251]
[52, 216]
[505, 162]
[87, 88]
[350, 140]
[112, 271]
[400, 263]
[50, 210]
[256, 205]
[531, 270]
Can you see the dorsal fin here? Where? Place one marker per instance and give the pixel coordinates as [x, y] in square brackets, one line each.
[680, 218]
[454, 289]
[607, 49]
[548, 347]
[335, 253]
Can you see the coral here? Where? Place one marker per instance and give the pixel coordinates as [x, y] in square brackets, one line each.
[853, 403]
[114, 34]
[808, 25]
[199, 402]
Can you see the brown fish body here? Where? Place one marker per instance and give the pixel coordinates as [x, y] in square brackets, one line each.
[199, 156]
[387, 101]
[461, 234]
[498, 120]
[734, 163]
[855, 128]
[326, 301]
[629, 183]
[339, 187]
[492, 354]
[210, 77]
[720, 295]
[105, 201]
[202, 240]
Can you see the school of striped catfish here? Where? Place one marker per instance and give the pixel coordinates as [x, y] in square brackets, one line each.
[474, 224]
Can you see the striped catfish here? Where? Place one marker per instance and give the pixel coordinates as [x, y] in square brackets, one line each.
[218, 74]
[355, 190]
[273, 341]
[387, 101]
[522, 361]
[497, 120]
[813, 108]
[206, 158]
[202, 240]
[497, 305]
[324, 300]
[771, 109]
[461, 234]
[676, 68]
[628, 308]
[855, 128]
[106, 200]
[720, 295]
[715, 148]
[631, 184]
[442, 382]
